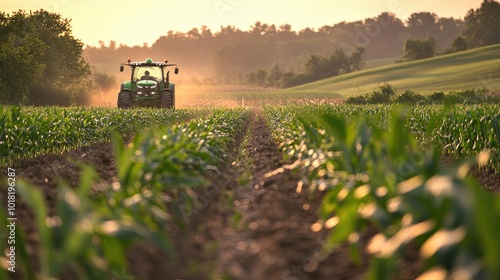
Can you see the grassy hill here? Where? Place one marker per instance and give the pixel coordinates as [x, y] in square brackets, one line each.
[474, 68]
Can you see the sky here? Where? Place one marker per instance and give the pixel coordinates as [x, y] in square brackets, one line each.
[134, 22]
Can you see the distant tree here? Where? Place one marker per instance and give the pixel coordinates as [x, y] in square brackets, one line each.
[482, 26]
[356, 61]
[423, 24]
[418, 49]
[318, 67]
[206, 32]
[449, 30]
[274, 77]
[112, 45]
[460, 44]
[287, 79]
[193, 34]
[257, 78]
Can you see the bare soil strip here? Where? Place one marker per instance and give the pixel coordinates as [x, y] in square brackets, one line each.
[273, 239]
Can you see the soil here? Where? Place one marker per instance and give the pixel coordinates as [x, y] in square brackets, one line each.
[249, 225]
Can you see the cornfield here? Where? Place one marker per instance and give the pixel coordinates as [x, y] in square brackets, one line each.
[376, 167]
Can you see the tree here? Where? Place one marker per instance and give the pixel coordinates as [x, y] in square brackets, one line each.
[274, 77]
[482, 26]
[460, 44]
[423, 24]
[41, 61]
[20, 55]
[418, 49]
[356, 62]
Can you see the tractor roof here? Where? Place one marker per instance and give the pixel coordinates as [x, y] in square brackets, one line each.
[148, 62]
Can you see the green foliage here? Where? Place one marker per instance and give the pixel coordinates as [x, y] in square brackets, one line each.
[482, 26]
[410, 97]
[387, 94]
[470, 96]
[316, 68]
[383, 177]
[436, 97]
[41, 61]
[459, 130]
[91, 231]
[415, 49]
[459, 44]
[32, 131]
[384, 95]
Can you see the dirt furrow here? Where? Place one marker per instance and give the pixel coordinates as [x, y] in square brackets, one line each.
[273, 240]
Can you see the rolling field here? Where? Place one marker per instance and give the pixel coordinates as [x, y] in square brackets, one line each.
[474, 68]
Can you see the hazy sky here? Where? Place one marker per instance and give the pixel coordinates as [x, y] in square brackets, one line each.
[134, 22]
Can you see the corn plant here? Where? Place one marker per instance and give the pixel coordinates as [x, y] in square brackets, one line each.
[91, 232]
[32, 131]
[385, 178]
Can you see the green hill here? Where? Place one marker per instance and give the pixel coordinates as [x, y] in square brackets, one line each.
[474, 68]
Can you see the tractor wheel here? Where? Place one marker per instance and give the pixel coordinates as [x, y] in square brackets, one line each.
[124, 100]
[167, 99]
[173, 96]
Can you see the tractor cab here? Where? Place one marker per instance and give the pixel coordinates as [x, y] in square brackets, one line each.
[149, 85]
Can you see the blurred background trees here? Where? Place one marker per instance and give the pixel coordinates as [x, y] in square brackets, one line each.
[41, 62]
[278, 56]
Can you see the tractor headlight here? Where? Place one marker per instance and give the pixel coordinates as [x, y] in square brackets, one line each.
[139, 86]
[153, 92]
[153, 86]
[139, 92]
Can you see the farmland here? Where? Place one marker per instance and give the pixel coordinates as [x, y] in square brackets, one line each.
[463, 70]
[316, 191]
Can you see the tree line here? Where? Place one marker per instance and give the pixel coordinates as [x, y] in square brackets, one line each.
[316, 68]
[230, 54]
[273, 55]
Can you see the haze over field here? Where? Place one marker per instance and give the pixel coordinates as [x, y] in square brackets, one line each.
[137, 22]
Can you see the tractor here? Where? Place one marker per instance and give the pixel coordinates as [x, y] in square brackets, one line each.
[149, 85]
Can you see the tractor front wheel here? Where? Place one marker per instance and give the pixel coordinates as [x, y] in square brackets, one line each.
[167, 100]
[124, 100]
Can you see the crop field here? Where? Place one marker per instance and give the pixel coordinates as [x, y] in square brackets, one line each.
[323, 191]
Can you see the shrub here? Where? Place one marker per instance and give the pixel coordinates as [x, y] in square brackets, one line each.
[468, 96]
[359, 99]
[385, 94]
[436, 97]
[410, 97]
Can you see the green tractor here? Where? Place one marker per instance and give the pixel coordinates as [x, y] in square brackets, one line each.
[149, 85]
